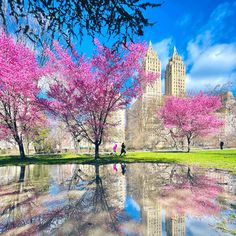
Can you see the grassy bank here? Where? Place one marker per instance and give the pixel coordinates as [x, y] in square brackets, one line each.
[221, 159]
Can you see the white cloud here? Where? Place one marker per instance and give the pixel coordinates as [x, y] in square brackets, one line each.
[216, 65]
[209, 62]
[218, 60]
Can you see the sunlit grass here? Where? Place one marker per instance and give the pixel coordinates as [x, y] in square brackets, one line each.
[221, 159]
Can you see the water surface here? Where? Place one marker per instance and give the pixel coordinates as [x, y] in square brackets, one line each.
[132, 199]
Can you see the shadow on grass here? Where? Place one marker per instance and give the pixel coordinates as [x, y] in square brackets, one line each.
[133, 159]
[44, 159]
[171, 151]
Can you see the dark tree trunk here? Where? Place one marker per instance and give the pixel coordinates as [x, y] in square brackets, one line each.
[21, 149]
[97, 173]
[22, 174]
[188, 149]
[96, 150]
[189, 142]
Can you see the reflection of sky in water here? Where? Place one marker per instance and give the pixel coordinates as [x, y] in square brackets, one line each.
[131, 200]
[200, 227]
[196, 227]
[163, 223]
[132, 209]
[54, 188]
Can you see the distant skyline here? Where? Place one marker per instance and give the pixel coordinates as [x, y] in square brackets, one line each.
[204, 34]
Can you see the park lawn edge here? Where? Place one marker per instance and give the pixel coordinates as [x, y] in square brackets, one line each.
[217, 159]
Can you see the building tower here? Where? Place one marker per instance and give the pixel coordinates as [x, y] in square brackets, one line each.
[152, 64]
[175, 78]
[141, 118]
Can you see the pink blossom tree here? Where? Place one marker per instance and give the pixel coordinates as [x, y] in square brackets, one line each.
[19, 74]
[191, 117]
[84, 93]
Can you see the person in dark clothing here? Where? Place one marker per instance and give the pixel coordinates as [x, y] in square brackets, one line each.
[221, 145]
[122, 149]
[123, 168]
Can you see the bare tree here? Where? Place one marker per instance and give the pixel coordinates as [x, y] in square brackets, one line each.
[49, 19]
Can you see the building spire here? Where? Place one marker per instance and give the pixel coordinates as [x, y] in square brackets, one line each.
[175, 51]
[150, 44]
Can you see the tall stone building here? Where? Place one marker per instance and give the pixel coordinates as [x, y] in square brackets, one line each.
[175, 76]
[141, 117]
[228, 115]
[152, 64]
[143, 130]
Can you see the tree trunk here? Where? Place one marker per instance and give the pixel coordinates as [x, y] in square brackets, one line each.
[28, 143]
[96, 150]
[97, 173]
[189, 142]
[22, 174]
[21, 149]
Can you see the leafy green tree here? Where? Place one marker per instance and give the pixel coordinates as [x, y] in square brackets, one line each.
[42, 141]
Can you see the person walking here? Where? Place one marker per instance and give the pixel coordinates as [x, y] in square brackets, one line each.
[114, 149]
[122, 149]
[221, 145]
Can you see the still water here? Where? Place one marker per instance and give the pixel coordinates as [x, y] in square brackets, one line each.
[132, 199]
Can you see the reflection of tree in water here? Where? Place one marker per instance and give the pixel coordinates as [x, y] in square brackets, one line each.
[92, 212]
[19, 203]
[190, 192]
[176, 189]
[92, 199]
[84, 207]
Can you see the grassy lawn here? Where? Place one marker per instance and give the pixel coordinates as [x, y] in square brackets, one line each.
[221, 159]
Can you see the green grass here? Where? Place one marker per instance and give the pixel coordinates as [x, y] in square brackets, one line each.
[46, 159]
[221, 159]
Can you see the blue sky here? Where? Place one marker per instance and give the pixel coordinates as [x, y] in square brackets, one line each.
[204, 34]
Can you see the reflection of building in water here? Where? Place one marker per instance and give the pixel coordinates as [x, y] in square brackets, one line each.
[175, 226]
[152, 211]
[115, 187]
[152, 218]
[143, 187]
